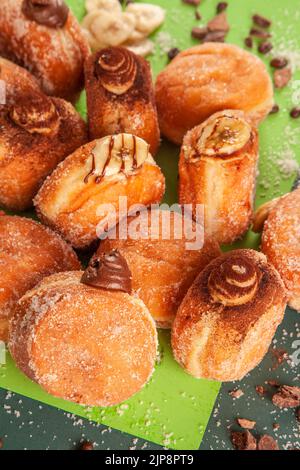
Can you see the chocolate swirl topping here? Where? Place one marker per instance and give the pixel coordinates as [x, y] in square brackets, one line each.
[108, 271]
[116, 69]
[36, 116]
[52, 13]
[235, 282]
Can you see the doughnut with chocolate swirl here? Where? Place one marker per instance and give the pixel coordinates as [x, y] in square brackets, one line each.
[228, 318]
[44, 37]
[36, 133]
[83, 194]
[279, 221]
[86, 342]
[120, 96]
[28, 252]
[218, 168]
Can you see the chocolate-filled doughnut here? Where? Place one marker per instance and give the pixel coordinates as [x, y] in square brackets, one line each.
[205, 79]
[229, 316]
[84, 337]
[218, 169]
[163, 268]
[279, 221]
[28, 252]
[120, 96]
[36, 133]
[83, 195]
[45, 37]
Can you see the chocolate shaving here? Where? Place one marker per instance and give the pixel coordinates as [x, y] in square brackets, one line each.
[265, 47]
[266, 442]
[274, 109]
[287, 397]
[258, 33]
[246, 423]
[295, 112]
[249, 42]
[282, 77]
[261, 21]
[173, 53]
[222, 6]
[52, 13]
[243, 440]
[199, 33]
[108, 271]
[215, 36]
[279, 62]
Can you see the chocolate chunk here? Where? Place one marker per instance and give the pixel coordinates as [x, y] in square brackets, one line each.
[282, 77]
[173, 53]
[215, 36]
[222, 6]
[246, 423]
[86, 446]
[266, 442]
[243, 440]
[199, 33]
[295, 112]
[249, 42]
[261, 21]
[265, 47]
[260, 390]
[279, 62]
[192, 2]
[275, 109]
[219, 23]
[287, 397]
[108, 271]
[52, 13]
[258, 33]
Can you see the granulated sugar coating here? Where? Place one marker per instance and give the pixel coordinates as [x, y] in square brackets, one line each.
[87, 345]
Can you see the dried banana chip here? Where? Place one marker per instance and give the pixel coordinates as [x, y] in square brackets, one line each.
[143, 47]
[148, 17]
[108, 5]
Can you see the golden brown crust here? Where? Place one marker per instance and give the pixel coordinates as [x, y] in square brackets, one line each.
[86, 345]
[281, 243]
[28, 252]
[55, 56]
[223, 337]
[209, 78]
[162, 269]
[96, 174]
[36, 133]
[220, 173]
[120, 96]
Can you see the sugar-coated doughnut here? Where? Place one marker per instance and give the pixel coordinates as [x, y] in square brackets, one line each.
[36, 133]
[85, 189]
[120, 96]
[229, 316]
[281, 241]
[163, 268]
[218, 169]
[45, 37]
[83, 338]
[209, 78]
[28, 252]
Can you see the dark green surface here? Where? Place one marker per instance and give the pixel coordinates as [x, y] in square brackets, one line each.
[26, 424]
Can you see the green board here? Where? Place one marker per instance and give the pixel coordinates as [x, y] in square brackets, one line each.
[174, 408]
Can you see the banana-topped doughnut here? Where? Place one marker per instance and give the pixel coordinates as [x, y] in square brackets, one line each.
[229, 316]
[120, 96]
[218, 168]
[85, 189]
[279, 221]
[84, 337]
[163, 268]
[28, 252]
[36, 133]
[205, 79]
[45, 37]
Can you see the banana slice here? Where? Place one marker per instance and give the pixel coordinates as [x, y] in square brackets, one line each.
[110, 29]
[113, 6]
[142, 47]
[148, 17]
[224, 136]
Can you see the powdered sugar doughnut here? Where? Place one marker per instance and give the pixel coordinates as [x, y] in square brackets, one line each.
[28, 252]
[87, 344]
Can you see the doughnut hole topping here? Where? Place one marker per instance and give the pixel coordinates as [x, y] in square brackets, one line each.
[108, 271]
[235, 282]
[116, 69]
[52, 13]
[40, 117]
[224, 136]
